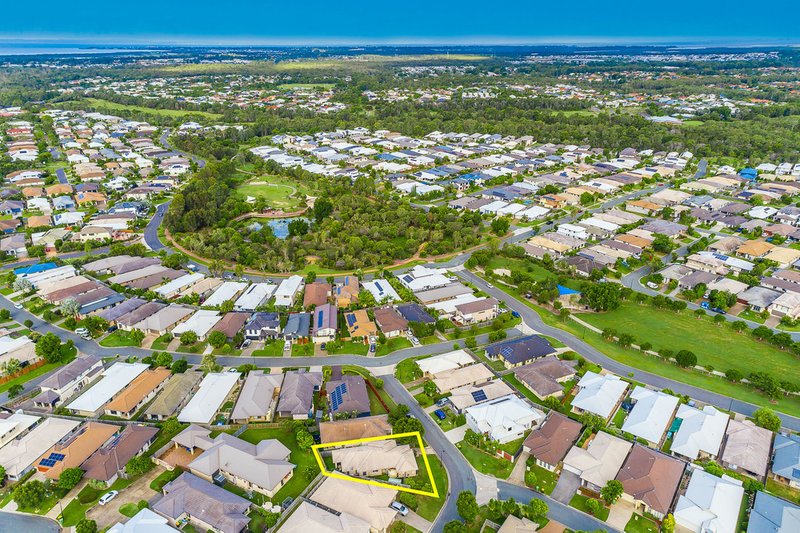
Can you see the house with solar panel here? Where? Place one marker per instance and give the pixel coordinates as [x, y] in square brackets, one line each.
[324, 323]
[517, 352]
[359, 325]
[347, 395]
[75, 448]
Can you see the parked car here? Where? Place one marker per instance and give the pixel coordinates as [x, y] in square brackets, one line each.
[323, 346]
[107, 497]
[704, 305]
[442, 402]
[515, 314]
[399, 507]
[17, 305]
[440, 414]
[246, 343]
[372, 348]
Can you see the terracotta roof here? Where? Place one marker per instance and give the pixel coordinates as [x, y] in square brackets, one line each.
[651, 477]
[113, 457]
[316, 294]
[551, 442]
[388, 319]
[77, 448]
[144, 384]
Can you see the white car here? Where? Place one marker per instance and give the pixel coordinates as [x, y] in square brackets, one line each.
[107, 497]
[399, 507]
[17, 305]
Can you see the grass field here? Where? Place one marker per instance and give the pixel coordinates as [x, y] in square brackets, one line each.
[276, 191]
[714, 345]
[579, 502]
[117, 339]
[175, 113]
[392, 345]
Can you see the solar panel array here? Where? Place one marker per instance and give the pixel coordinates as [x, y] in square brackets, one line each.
[506, 351]
[479, 395]
[52, 459]
[336, 396]
[351, 319]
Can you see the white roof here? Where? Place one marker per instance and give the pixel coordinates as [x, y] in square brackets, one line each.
[599, 394]
[381, 290]
[511, 209]
[213, 390]
[7, 344]
[18, 455]
[286, 291]
[445, 361]
[503, 419]
[599, 223]
[15, 424]
[493, 207]
[145, 521]
[309, 517]
[449, 306]
[710, 504]
[599, 462]
[226, 291]
[178, 283]
[114, 379]
[533, 212]
[255, 295]
[651, 414]
[699, 431]
[53, 274]
[201, 323]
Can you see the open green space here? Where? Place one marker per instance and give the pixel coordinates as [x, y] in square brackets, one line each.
[484, 462]
[783, 491]
[545, 479]
[277, 192]
[303, 350]
[304, 460]
[347, 347]
[714, 345]
[407, 370]
[640, 524]
[118, 338]
[175, 113]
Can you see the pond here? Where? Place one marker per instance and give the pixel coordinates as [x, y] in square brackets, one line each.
[27, 523]
[280, 226]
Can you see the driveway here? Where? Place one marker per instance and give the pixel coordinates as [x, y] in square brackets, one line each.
[566, 487]
[620, 514]
[416, 521]
[108, 515]
[456, 435]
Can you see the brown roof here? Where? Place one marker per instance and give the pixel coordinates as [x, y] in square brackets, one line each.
[477, 306]
[68, 292]
[542, 375]
[38, 221]
[551, 442]
[355, 428]
[316, 294]
[388, 319]
[33, 192]
[231, 323]
[110, 459]
[651, 477]
[59, 188]
[144, 384]
[78, 447]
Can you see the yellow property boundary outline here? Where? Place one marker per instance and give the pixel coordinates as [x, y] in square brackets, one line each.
[317, 447]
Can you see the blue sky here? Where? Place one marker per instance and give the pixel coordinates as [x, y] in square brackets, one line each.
[419, 21]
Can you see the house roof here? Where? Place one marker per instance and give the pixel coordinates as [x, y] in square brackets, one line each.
[200, 323]
[551, 441]
[297, 392]
[600, 461]
[773, 515]
[477, 306]
[68, 373]
[389, 319]
[700, 431]
[521, 349]
[651, 414]
[710, 503]
[450, 379]
[507, 415]
[317, 293]
[542, 375]
[354, 428]
[213, 390]
[413, 312]
[310, 517]
[325, 317]
[257, 395]
[111, 458]
[367, 502]
[375, 456]
[651, 477]
[513, 524]
[145, 521]
[115, 378]
[76, 448]
[469, 395]
[446, 361]
[747, 446]
[348, 394]
[174, 393]
[599, 394]
[19, 454]
[231, 323]
[189, 494]
[144, 384]
[164, 318]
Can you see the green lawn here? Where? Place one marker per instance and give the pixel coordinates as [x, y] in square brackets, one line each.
[277, 192]
[303, 350]
[448, 423]
[176, 113]
[407, 370]
[68, 356]
[302, 458]
[348, 347]
[165, 477]
[86, 499]
[119, 338]
[512, 380]
[579, 502]
[747, 314]
[545, 479]
[485, 463]
[783, 491]
[714, 345]
[428, 506]
[129, 509]
[423, 399]
[392, 345]
[273, 348]
[640, 524]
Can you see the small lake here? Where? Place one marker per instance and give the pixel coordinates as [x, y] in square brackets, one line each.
[280, 226]
[27, 523]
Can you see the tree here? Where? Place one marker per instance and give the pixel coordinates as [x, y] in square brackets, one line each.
[298, 227]
[662, 243]
[454, 526]
[686, 359]
[86, 526]
[69, 307]
[69, 477]
[180, 366]
[500, 225]
[216, 267]
[11, 367]
[209, 363]
[304, 439]
[322, 209]
[137, 336]
[467, 506]
[22, 285]
[593, 506]
[188, 337]
[733, 375]
[762, 333]
[164, 359]
[15, 390]
[612, 491]
[138, 465]
[602, 296]
[766, 418]
[226, 306]
[49, 348]
[537, 509]
[430, 388]
[30, 495]
[217, 339]
[2, 473]
[668, 524]
[170, 425]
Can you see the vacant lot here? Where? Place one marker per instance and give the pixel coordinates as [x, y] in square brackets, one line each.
[714, 345]
[178, 113]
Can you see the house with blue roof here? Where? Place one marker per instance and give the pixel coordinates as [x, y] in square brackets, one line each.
[26, 271]
[786, 460]
[520, 351]
[771, 514]
[749, 173]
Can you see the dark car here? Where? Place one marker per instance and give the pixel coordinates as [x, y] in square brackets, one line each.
[440, 414]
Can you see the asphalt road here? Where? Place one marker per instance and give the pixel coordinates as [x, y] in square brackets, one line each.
[533, 320]
[151, 231]
[164, 140]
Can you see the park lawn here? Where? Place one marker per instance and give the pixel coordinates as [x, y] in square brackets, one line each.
[175, 113]
[714, 345]
[277, 195]
[349, 347]
[119, 338]
[485, 463]
[392, 345]
[302, 458]
[640, 524]
[273, 348]
[303, 350]
[538, 273]
[407, 370]
[579, 502]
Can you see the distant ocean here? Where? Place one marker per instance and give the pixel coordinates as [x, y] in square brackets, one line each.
[61, 50]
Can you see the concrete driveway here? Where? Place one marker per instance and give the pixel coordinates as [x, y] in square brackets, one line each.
[620, 514]
[456, 435]
[566, 487]
[416, 521]
[108, 515]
